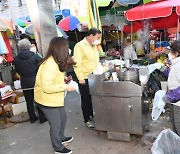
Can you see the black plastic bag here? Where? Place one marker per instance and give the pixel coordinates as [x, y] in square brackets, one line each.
[152, 86]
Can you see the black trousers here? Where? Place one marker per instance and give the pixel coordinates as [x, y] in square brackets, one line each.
[86, 102]
[29, 97]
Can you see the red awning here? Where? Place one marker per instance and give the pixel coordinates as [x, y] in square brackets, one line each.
[153, 10]
[135, 27]
[165, 23]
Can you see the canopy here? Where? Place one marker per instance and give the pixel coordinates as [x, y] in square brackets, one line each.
[3, 47]
[135, 27]
[161, 15]
[103, 3]
[93, 14]
[22, 23]
[153, 10]
[9, 57]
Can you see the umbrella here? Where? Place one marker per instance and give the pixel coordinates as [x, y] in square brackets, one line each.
[173, 30]
[29, 31]
[21, 30]
[103, 3]
[148, 1]
[69, 23]
[7, 43]
[161, 15]
[153, 10]
[22, 23]
[3, 47]
[5, 25]
[135, 27]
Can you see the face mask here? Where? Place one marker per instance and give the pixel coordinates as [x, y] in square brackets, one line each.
[33, 49]
[96, 42]
[1, 60]
[170, 56]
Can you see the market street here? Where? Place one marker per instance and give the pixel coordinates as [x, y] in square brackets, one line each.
[26, 138]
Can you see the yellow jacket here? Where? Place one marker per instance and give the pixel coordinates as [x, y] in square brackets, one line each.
[86, 57]
[49, 87]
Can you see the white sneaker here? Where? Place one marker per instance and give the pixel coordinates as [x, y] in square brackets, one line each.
[90, 124]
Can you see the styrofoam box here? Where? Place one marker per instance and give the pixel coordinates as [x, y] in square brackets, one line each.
[19, 108]
[21, 99]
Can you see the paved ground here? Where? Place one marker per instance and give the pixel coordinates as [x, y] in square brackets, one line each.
[26, 138]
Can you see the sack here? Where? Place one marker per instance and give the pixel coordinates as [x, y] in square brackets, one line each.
[167, 142]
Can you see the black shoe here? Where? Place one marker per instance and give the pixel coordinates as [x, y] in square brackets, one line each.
[63, 151]
[67, 140]
[41, 121]
[33, 120]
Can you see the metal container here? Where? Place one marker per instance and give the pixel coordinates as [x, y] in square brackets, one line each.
[117, 107]
[129, 74]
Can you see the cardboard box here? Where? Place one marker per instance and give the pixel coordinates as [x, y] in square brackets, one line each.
[13, 98]
[19, 92]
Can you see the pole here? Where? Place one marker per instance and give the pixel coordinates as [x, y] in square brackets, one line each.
[11, 8]
[131, 32]
[43, 22]
[178, 26]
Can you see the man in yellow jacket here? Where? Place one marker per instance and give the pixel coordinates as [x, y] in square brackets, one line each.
[86, 56]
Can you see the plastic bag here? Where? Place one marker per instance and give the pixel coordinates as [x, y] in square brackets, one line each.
[17, 84]
[158, 104]
[167, 142]
[75, 85]
[152, 86]
[153, 67]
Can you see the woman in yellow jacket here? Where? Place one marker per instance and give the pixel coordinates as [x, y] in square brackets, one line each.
[49, 91]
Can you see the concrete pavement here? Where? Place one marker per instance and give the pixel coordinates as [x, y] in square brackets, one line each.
[26, 138]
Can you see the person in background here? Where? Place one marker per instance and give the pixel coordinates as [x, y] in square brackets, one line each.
[172, 71]
[86, 56]
[139, 47]
[49, 91]
[26, 65]
[34, 49]
[129, 51]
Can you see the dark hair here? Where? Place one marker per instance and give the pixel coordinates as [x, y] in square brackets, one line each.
[175, 48]
[58, 49]
[93, 31]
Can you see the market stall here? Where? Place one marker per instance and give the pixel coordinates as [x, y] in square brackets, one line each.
[119, 101]
[119, 104]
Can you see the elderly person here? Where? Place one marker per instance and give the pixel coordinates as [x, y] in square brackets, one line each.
[172, 71]
[26, 65]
